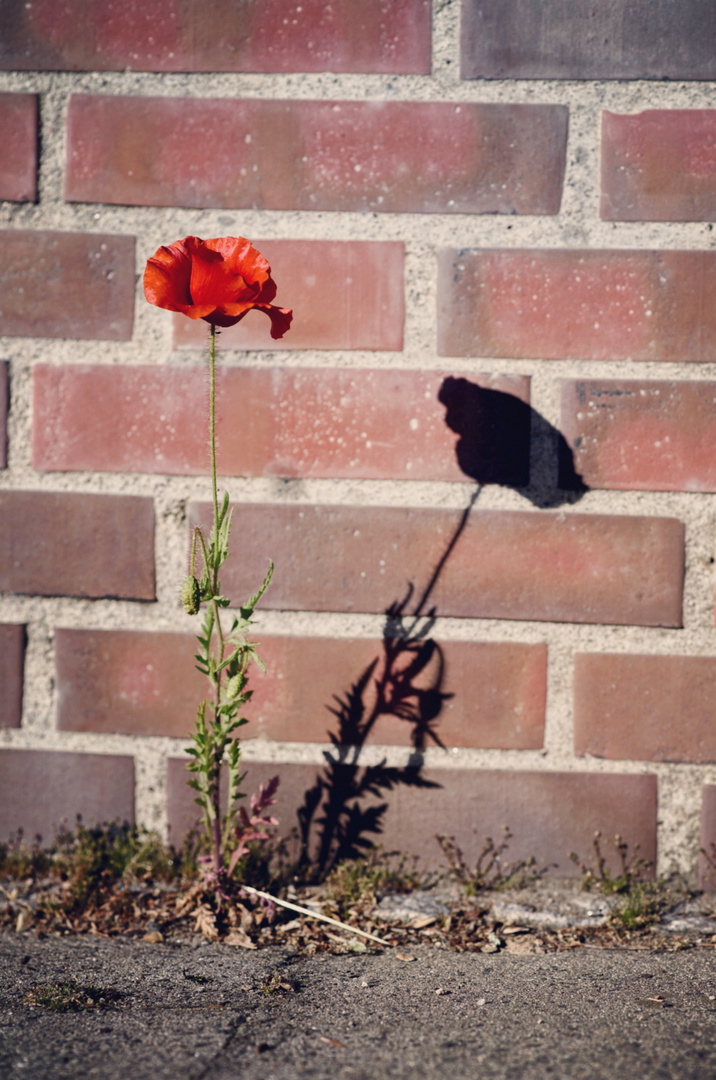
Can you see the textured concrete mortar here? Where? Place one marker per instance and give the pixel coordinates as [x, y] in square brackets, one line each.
[577, 225]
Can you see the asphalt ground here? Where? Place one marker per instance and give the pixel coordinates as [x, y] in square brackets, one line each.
[185, 1012]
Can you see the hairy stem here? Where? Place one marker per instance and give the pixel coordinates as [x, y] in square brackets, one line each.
[212, 432]
[218, 751]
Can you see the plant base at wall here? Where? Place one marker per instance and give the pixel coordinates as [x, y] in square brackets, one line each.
[122, 881]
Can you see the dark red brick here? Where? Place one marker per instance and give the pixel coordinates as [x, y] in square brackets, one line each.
[63, 544]
[613, 39]
[346, 295]
[707, 843]
[41, 789]
[549, 813]
[137, 683]
[590, 305]
[4, 402]
[421, 157]
[645, 708]
[391, 36]
[12, 660]
[633, 435]
[372, 423]
[659, 165]
[18, 161]
[66, 285]
[505, 565]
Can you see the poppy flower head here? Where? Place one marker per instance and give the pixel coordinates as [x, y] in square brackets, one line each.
[219, 281]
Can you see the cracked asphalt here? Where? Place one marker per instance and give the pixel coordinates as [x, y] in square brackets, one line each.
[185, 1012]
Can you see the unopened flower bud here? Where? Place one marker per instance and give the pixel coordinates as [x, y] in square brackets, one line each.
[234, 687]
[190, 596]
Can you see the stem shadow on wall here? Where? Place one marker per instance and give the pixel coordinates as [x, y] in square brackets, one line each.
[502, 440]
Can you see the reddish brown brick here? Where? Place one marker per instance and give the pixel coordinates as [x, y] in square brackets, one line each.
[422, 157]
[66, 285]
[138, 683]
[40, 789]
[505, 565]
[371, 424]
[18, 161]
[346, 295]
[550, 814]
[12, 659]
[645, 708]
[659, 165]
[707, 844]
[560, 39]
[391, 36]
[633, 435]
[4, 402]
[62, 544]
[591, 305]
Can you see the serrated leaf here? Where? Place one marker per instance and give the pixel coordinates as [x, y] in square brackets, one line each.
[247, 608]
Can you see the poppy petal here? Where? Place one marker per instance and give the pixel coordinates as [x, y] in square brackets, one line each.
[167, 277]
[280, 318]
[213, 281]
[243, 257]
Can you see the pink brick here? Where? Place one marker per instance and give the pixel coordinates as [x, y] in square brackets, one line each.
[590, 305]
[506, 565]
[346, 295]
[66, 544]
[645, 708]
[18, 158]
[4, 402]
[66, 285]
[549, 813]
[12, 658]
[323, 422]
[137, 683]
[420, 157]
[391, 36]
[41, 789]
[707, 840]
[639, 435]
[659, 165]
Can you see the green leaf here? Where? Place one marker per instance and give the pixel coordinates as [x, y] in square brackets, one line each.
[247, 608]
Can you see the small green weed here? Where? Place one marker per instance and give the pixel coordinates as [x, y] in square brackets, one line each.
[20, 859]
[632, 870]
[92, 864]
[69, 997]
[642, 898]
[489, 872]
[92, 860]
[356, 883]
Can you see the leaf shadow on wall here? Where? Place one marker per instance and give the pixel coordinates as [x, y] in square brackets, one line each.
[343, 811]
[503, 440]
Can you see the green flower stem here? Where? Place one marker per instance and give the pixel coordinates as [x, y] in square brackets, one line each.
[212, 425]
[218, 750]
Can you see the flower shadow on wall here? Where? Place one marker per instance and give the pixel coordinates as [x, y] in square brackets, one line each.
[502, 440]
[505, 441]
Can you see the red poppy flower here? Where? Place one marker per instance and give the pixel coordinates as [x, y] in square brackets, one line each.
[219, 281]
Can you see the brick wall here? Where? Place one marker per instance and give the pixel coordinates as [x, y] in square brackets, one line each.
[494, 417]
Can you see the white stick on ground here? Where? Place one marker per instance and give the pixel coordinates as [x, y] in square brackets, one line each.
[313, 914]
